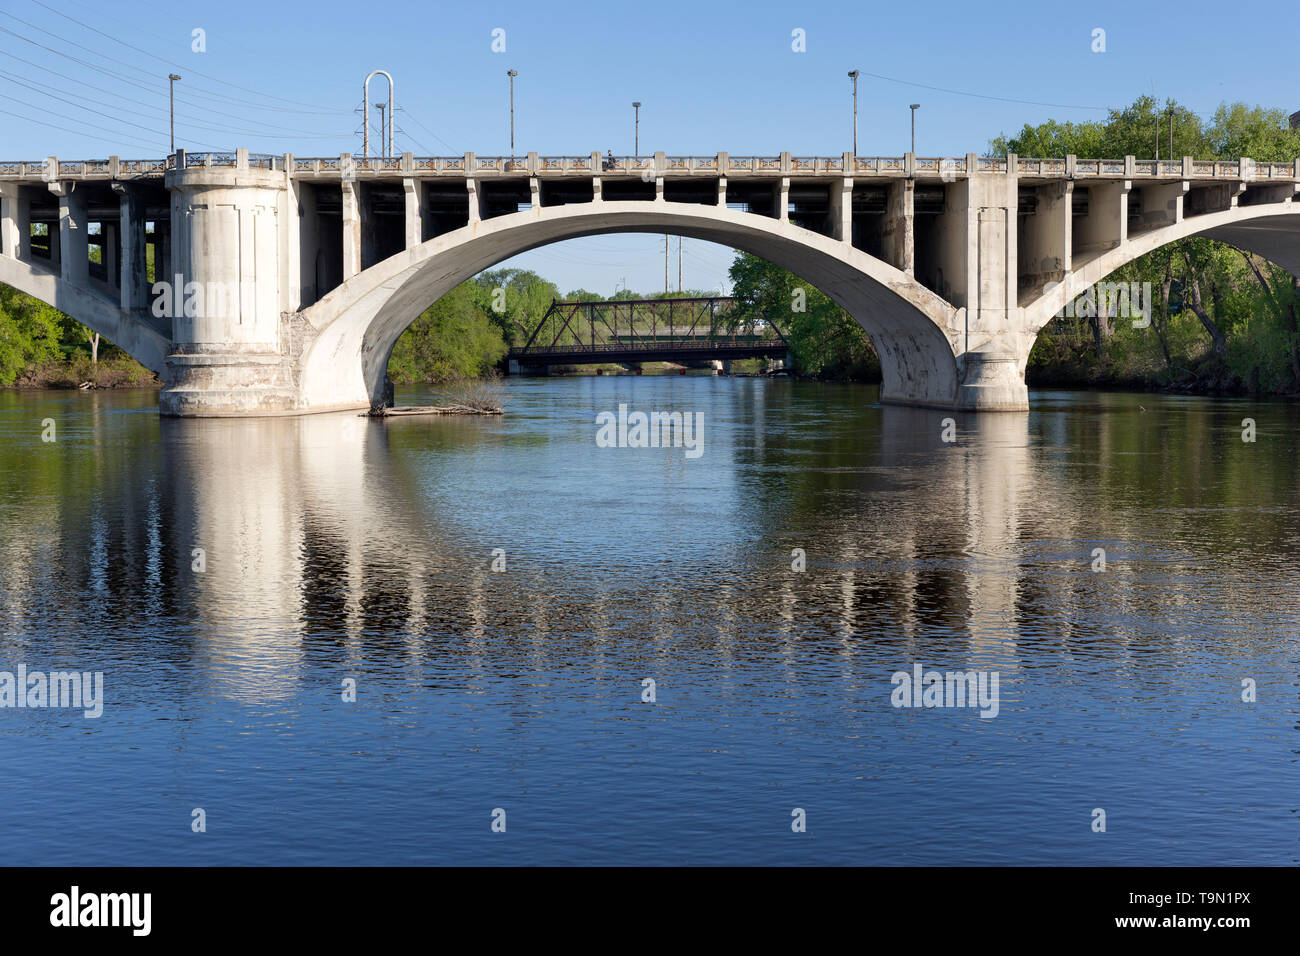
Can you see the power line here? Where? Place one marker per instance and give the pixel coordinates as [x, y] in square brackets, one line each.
[8, 77]
[417, 122]
[984, 96]
[215, 79]
[116, 138]
[138, 85]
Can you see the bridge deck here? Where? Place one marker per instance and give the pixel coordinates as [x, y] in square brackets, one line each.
[657, 165]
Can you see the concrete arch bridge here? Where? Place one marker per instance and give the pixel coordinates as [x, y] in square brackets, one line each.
[288, 280]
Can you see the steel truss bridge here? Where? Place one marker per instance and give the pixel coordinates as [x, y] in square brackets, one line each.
[648, 330]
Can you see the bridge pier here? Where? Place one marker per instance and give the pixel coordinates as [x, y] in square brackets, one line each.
[225, 293]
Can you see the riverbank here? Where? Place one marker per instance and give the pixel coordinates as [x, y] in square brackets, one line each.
[81, 372]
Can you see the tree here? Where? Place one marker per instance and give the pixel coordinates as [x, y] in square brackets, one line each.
[455, 338]
[824, 339]
[29, 333]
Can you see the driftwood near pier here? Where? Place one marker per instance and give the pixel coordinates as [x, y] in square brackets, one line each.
[405, 410]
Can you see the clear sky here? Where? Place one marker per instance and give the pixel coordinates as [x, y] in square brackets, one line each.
[286, 76]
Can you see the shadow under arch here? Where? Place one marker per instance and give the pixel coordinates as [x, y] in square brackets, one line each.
[913, 329]
[93, 309]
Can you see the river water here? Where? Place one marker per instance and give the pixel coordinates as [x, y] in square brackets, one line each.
[335, 550]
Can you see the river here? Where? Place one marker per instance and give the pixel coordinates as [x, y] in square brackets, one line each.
[499, 593]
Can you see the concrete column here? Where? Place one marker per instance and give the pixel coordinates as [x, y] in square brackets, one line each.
[414, 228]
[475, 206]
[15, 223]
[164, 254]
[74, 247]
[108, 252]
[1162, 203]
[842, 209]
[595, 189]
[304, 221]
[899, 236]
[351, 230]
[1106, 224]
[290, 242]
[534, 191]
[132, 272]
[783, 197]
[722, 192]
[953, 230]
[1046, 253]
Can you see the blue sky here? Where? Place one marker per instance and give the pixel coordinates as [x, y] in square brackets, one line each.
[286, 77]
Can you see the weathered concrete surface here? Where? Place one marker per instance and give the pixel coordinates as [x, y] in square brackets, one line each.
[227, 353]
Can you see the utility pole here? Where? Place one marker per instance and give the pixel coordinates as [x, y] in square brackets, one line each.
[665, 262]
[636, 130]
[679, 263]
[914, 107]
[171, 99]
[853, 75]
[512, 74]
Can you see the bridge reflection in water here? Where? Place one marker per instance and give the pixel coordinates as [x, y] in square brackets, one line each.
[320, 535]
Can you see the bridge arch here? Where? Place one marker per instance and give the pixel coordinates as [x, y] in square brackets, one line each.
[93, 309]
[913, 330]
[1271, 231]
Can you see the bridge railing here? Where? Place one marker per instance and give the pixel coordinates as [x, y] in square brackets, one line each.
[720, 164]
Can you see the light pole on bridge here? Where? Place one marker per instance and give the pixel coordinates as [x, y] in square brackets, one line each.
[636, 129]
[853, 75]
[914, 107]
[512, 74]
[171, 106]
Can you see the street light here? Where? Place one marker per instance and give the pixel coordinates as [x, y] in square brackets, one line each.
[1173, 111]
[512, 74]
[636, 131]
[853, 75]
[171, 100]
[914, 107]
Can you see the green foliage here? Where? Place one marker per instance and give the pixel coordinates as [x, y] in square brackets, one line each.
[517, 299]
[456, 338]
[824, 339]
[30, 333]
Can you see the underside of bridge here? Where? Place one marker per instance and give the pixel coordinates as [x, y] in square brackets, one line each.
[279, 286]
